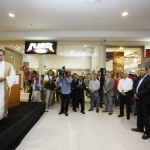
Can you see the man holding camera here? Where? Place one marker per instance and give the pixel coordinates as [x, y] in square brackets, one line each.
[49, 85]
[65, 81]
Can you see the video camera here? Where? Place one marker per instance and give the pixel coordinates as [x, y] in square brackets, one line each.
[62, 71]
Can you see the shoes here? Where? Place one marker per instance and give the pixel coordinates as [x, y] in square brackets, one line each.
[145, 136]
[136, 130]
[110, 113]
[66, 113]
[82, 112]
[101, 106]
[90, 110]
[60, 113]
[74, 110]
[97, 110]
[46, 110]
[104, 111]
[120, 115]
[128, 117]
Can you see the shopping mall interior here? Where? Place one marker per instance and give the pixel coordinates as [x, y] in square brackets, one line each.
[89, 34]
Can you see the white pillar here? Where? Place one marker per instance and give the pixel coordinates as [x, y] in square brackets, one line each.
[99, 58]
[41, 64]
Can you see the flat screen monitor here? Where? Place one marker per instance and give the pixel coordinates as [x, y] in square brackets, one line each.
[40, 47]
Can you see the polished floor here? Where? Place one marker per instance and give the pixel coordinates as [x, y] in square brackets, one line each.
[90, 131]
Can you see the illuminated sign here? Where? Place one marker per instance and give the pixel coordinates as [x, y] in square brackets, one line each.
[40, 47]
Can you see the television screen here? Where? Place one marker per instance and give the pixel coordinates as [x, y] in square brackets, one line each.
[40, 47]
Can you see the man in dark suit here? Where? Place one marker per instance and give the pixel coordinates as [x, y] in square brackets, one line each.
[102, 80]
[74, 84]
[141, 91]
[80, 88]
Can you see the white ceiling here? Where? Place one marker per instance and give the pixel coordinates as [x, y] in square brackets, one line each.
[80, 20]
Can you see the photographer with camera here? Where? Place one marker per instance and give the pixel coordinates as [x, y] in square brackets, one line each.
[49, 86]
[65, 80]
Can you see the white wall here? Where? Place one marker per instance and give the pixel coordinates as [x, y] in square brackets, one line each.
[55, 61]
[32, 59]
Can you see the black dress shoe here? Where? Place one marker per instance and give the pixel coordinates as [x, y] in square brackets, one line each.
[66, 113]
[90, 110]
[110, 113]
[74, 110]
[97, 110]
[136, 130]
[128, 117]
[146, 136]
[60, 113]
[120, 115]
[101, 106]
[82, 112]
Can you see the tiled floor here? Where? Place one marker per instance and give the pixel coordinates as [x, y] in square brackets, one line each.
[92, 131]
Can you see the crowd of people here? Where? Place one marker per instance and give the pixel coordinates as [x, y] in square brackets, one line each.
[108, 90]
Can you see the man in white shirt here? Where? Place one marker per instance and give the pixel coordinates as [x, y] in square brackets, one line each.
[125, 86]
[7, 79]
[48, 80]
[94, 89]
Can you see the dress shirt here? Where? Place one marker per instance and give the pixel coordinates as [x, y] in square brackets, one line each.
[47, 77]
[142, 78]
[125, 85]
[65, 85]
[107, 81]
[94, 85]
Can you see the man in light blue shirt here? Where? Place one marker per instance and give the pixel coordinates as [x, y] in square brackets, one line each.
[65, 82]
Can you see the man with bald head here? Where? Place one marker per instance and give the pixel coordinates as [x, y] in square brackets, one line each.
[125, 86]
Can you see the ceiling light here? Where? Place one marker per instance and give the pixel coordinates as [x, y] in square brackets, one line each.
[124, 13]
[11, 15]
[72, 51]
[121, 48]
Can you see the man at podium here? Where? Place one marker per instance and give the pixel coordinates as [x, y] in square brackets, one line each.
[7, 79]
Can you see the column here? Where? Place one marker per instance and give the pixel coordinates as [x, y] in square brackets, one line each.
[99, 58]
[41, 64]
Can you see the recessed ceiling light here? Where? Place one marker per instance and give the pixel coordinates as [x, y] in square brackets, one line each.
[72, 51]
[11, 15]
[124, 13]
[121, 48]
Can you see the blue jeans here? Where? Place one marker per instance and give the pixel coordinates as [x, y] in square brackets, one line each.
[109, 103]
[95, 97]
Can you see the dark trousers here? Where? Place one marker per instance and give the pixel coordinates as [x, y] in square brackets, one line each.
[82, 102]
[30, 93]
[116, 98]
[65, 99]
[125, 100]
[143, 116]
[74, 102]
[101, 97]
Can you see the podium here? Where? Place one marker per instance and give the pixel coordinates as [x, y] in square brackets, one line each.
[14, 99]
